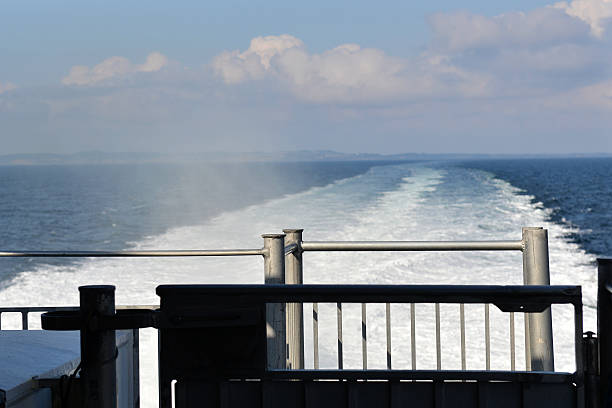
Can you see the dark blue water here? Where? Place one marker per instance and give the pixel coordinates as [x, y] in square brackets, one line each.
[578, 191]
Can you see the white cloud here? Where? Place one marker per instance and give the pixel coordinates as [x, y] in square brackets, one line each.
[596, 96]
[113, 67]
[7, 86]
[463, 31]
[549, 49]
[596, 13]
[236, 66]
[347, 73]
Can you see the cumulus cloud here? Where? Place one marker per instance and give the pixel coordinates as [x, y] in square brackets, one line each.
[346, 73]
[112, 68]
[236, 66]
[7, 86]
[555, 50]
[596, 13]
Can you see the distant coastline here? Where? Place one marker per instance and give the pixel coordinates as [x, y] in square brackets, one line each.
[99, 157]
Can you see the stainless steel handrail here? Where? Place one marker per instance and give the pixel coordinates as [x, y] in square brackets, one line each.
[130, 254]
[412, 246]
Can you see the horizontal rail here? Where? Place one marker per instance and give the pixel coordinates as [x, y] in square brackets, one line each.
[531, 298]
[131, 254]
[26, 310]
[305, 246]
[412, 246]
[34, 309]
[431, 375]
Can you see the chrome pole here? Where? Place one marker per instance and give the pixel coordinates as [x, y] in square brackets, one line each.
[274, 274]
[295, 320]
[536, 272]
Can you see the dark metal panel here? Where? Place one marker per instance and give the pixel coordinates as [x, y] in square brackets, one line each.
[283, 394]
[325, 394]
[549, 395]
[533, 298]
[368, 394]
[412, 394]
[218, 352]
[242, 394]
[499, 395]
[456, 394]
[197, 394]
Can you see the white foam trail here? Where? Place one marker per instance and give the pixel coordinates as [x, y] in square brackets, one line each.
[424, 206]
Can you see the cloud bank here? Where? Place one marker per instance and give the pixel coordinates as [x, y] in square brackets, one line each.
[553, 49]
[113, 68]
[346, 73]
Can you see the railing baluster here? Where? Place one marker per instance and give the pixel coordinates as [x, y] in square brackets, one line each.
[364, 338]
[315, 334]
[512, 343]
[413, 336]
[340, 364]
[438, 346]
[527, 349]
[24, 320]
[487, 339]
[388, 324]
[462, 322]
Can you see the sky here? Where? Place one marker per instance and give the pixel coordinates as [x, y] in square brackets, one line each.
[475, 76]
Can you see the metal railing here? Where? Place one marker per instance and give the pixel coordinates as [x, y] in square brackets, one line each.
[25, 311]
[283, 254]
[412, 340]
[538, 326]
[225, 327]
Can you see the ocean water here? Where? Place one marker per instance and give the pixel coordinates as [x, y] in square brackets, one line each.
[230, 206]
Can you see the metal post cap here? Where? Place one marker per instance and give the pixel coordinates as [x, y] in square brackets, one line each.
[272, 235]
[97, 288]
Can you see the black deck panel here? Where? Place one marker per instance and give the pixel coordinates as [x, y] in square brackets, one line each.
[548, 395]
[368, 394]
[412, 394]
[325, 394]
[282, 394]
[240, 394]
[373, 394]
[500, 395]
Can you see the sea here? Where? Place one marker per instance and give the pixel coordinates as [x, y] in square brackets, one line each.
[223, 206]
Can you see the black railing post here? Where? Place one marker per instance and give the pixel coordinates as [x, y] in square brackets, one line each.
[591, 379]
[604, 328]
[98, 348]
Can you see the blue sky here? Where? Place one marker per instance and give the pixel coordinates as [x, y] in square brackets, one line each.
[384, 77]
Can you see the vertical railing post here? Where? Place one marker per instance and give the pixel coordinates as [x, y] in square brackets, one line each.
[295, 320]
[536, 272]
[274, 274]
[604, 329]
[98, 348]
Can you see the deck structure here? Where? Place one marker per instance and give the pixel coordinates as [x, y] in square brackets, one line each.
[243, 346]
